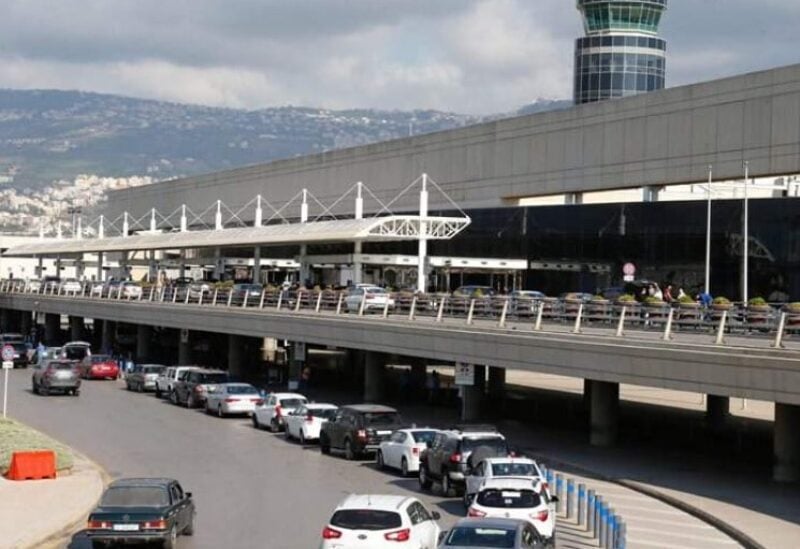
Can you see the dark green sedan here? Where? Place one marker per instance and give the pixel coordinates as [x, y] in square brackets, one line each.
[142, 510]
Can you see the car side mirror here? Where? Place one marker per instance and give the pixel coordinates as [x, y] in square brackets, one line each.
[436, 515]
[188, 495]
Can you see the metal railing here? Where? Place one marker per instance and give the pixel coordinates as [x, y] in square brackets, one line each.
[765, 322]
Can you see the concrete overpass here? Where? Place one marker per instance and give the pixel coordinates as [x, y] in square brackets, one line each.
[738, 369]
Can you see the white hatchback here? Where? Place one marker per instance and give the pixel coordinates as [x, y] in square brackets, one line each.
[516, 498]
[232, 398]
[489, 468]
[275, 409]
[372, 297]
[305, 423]
[403, 449]
[379, 521]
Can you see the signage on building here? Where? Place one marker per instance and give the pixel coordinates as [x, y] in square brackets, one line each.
[465, 374]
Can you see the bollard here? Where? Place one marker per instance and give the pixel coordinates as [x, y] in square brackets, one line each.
[174, 295]
[559, 492]
[263, 295]
[244, 301]
[186, 299]
[721, 330]
[577, 328]
[413, 308]
[581, 504]
[163, 292]
[299, 301]
[386, 309]
[539, 312]
[471, 311]
[363, 304]
[620, 534]
[319, 302]
[339, 304]
[440, 312]
[598, 505]
[591, 505]
[502, 323]
[601, 523]
[610, 528]
[230, 297]
[668, 326]
[779, 336]
[214, 301]
[570, 503]
[152, 291]
[200, 299]
[280, 300]
[621, 323]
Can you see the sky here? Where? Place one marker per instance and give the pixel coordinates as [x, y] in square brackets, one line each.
[466, 56]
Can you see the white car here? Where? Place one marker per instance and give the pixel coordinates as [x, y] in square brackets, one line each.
[403, 449]
[71, 286]
[380, 521]
[199, 288]
[130, 290]
[34, 286]
[516, 498]
[498, 467]
[374, 297]
[275, 409]
[232, 398]
[305, 422]
[166, 381]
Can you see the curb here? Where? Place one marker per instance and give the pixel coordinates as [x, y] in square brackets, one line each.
[734, 533]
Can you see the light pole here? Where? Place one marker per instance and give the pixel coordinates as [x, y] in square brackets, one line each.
[746, 231]
[708, 230]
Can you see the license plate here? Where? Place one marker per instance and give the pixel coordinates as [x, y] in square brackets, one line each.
[126, 527]
[383, 433]
[62, 375]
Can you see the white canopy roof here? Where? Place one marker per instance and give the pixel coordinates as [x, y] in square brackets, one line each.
[389, 228]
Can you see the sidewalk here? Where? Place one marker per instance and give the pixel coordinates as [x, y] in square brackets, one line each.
[33, 513]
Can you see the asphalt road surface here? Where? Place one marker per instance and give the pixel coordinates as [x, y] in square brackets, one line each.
[251, 488]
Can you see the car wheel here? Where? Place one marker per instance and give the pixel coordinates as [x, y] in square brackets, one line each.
[379, 460]
[349, 453]
[173, 397]
[324, 445]
[140, 388]
[34, 388]
[404, 467]
[75, 392]
[302, 439]
[171, 541]
[424, 478]
[128, 386]
[274, 426]
[98, 544]
[466, 500]
[220, 413]
[158, 392]
[256, 424]
[190, 401]
[189, 530]
[447, 486]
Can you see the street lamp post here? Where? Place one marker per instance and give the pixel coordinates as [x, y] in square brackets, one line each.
[746, 231]
[708, 230]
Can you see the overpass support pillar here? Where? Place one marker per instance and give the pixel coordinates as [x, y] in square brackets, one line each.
[717, 410]
[472, 396]
[497, 389]
[5, 320]
[235, 353]
[184, 347]
[107, 342]
[786, 443]
[144, 335]
[603, 412]
[26, 323]
[257, 265]
[76, 328]
[52, 327]
[374, 370]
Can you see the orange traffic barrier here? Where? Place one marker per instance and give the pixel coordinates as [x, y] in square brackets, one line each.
[33, 465]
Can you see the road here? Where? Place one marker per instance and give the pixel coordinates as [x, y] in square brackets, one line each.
[252, 488]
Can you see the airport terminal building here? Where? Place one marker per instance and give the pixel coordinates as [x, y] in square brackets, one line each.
[558, 201]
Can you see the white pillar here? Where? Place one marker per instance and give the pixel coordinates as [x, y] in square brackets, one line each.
[708, 231]
[153, 228]
[41, 228]
[218, 216]
[746, 236]
[125, 226]
[99, 266]
[58, 230]
[423, 236]
[101, 230]
[357, 266]
[304, 271]
[79, 231]
[259, 213]
[183, 218]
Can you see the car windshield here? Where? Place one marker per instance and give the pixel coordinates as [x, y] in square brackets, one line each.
[468, 536]
[76, 353]
[135, 496]
[514, 470]
[366, 519]
[100, 358]
[381, 418]
[292, 402]
[498, 444]
[423, 437]
[508, 499]
[242, 390]
[326, 413]
[213, 378]
[153, 369]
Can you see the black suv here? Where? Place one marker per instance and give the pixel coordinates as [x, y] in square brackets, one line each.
[450, 456]
[191, 387]
[359, 429]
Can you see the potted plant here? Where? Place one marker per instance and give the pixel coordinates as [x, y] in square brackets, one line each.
[721, 304]
[758, 304]
[653, 301]
[792, 313]
[598, 305]
[626, 299]
[686, 302]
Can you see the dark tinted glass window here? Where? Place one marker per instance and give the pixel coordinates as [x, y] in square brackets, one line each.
[425, 437]
[509, 499]
[212, 378]
[135, 496]
[325, 413]
[242, 390]
[495, 443]
[292, 402]
[469, 536]
[381, 418]
[366, 519]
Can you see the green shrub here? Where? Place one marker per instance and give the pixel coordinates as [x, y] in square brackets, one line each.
[757, 302]
[653, 300]
[686, 299]
[794, 307]
[721, 301]
[626, 298]
[16, 437]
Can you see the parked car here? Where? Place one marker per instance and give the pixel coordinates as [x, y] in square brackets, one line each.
[403, 448]
[165, 382]
[99, 367]
[34, 285]
[515, 498]
[492, 533]
[305, 422]
[130, 290]
[199, 288]
[499, 467]
[474, 291]
[232, 398]
[358, 429]
[192, 386]
[379, 521]
[523, 302]
[448, 460]
[71, 286]
[276, 406]
[252, 291]
[76, 350]
[142, 510]
[374, 298]
[56, 375]
[21, 354]
[11, 338]
[143, 377]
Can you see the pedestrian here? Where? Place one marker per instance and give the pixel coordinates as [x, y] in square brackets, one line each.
[705, 298]
[681, 294]
[305, 378]
[668, 294]
[657, 293]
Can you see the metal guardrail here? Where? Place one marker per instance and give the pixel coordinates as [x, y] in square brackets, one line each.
[588, 509]
[771, 322]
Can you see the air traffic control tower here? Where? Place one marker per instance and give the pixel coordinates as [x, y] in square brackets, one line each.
[621, 54]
